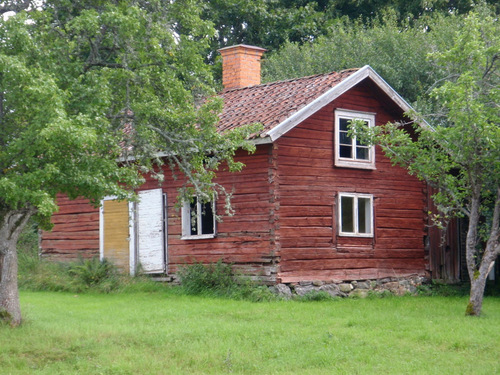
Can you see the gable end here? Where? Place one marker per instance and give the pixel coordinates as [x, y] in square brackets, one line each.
[332, 94]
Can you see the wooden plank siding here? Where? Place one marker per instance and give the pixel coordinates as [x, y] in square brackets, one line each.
[310, 248]
[75, 233]
[246, 239]
[285, 201]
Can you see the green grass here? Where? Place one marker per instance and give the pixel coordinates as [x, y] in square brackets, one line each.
[169, 333]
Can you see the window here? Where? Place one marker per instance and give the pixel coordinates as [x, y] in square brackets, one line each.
[198, 219]
[349, 152]
[356, 215]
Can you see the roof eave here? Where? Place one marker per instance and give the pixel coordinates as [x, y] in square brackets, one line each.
[261, 140]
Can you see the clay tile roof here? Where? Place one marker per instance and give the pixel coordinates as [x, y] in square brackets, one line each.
[272, 103]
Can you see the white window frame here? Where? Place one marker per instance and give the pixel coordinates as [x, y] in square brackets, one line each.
[353, 162]
[186, 221]
[356, 197]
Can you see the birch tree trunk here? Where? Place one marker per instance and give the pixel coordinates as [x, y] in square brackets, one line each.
[11, 225]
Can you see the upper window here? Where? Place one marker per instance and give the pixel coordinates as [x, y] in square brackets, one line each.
[355, 215]
[198, 219]
[349, 152]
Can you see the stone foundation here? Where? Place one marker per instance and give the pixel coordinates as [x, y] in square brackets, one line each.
[360, 289]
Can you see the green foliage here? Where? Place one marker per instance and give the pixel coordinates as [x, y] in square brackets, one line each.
[459, 153]
[398, 53]
[316, 295]
[93, 271]
[219, 279]
[216, 278]
[94, 94]
[271, 24]
[437, 288]
[89, 275]
[86, 83]
[27, 248]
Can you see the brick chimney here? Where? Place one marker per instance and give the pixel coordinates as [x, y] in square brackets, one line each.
[240, 66]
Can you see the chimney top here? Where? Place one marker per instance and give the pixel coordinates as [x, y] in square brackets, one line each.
[240, 66]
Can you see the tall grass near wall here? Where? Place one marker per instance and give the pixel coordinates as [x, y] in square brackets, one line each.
[84, 275]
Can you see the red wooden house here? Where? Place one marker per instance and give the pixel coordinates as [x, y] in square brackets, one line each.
[312, 203]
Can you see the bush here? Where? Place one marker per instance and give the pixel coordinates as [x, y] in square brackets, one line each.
[218, 279]
[91, 272]
[439, 288]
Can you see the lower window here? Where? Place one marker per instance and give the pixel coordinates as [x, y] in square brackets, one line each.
[198, 219]
[356, 214]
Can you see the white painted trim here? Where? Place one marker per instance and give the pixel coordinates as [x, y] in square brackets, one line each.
[186, 222]
[101, 225]
[132, 238]
[165, 229]
[391, 93]
[261, 141]
[353, 162]
[356, 196]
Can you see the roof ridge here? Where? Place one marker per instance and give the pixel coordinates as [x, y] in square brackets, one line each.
[290, 80]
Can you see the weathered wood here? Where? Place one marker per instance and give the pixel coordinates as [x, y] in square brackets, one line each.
[285, 201]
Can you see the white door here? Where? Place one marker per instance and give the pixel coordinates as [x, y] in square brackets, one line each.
[151, 239]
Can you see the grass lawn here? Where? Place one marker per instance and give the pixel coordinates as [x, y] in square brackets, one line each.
[166, 333]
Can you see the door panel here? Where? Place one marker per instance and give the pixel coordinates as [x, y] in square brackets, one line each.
[115, 216]
[150, 231]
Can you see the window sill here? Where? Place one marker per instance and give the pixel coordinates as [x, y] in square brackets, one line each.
[355, 164]
[361, 235]
[198, 237]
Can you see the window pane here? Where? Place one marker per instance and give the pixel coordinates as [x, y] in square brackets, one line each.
[364, 215]
[193, 219]
[345, 152]
[207, 219]
[346, 208]
[362, 153]
[343, 124]
[345, 139]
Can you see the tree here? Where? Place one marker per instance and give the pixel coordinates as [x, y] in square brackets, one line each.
[460, 155]
[15, 6]
[85, 84]
[398, 53]
[272, 23]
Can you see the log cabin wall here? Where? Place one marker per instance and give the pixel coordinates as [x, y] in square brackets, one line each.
[75, 233]
[247, 239]
[310, 248]
[285, 201]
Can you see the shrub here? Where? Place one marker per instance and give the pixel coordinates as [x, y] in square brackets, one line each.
[219, 279]
[216, 278]
[91, 272]
[439, 288]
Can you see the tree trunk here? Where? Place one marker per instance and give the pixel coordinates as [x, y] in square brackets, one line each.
[11, 225]
[478, 273]
[476, 295]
